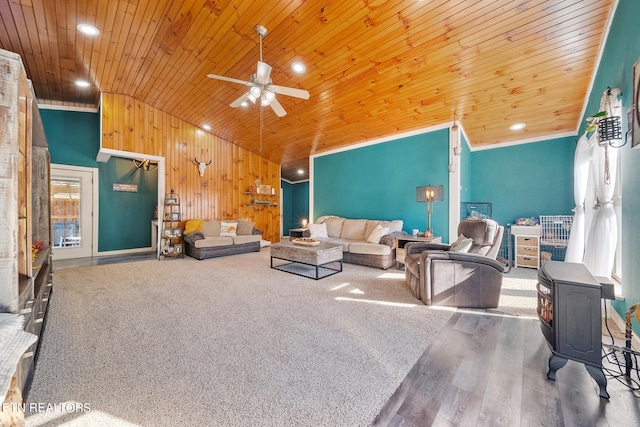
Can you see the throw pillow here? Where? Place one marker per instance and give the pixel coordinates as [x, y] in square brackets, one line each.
[462, 244]
[211, 228]
[245, 227]
[377, 234]
[228, 228]
[193, 225]
[354, 229]
[318, 230]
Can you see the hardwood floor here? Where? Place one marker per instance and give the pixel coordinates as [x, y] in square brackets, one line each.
[484, 369]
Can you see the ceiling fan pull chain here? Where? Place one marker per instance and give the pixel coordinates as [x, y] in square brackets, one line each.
[260, 127]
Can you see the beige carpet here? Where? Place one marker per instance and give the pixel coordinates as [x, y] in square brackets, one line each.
[519, 296]
[226, 342]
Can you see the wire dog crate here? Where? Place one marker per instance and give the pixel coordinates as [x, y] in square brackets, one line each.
[475, 210]
[506, 252]
[555, 231]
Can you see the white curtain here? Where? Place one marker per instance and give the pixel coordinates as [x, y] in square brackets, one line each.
[582, 159]
[603, 234]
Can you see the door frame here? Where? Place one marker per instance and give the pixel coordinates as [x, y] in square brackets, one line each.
[103, 156]
[58, 169]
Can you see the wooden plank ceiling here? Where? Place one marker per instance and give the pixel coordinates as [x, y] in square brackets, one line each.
[374, 68]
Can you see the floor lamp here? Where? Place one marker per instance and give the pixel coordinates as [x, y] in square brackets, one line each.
[430, 194]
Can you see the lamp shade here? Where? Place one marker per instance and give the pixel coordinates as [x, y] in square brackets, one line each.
[430, 193]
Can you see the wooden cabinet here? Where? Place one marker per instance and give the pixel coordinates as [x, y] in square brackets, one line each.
[527, 245]
[171, 244]
[25, 280]
[402, 241]
[295, 233]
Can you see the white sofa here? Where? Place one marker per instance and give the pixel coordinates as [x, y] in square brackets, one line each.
[364, 241]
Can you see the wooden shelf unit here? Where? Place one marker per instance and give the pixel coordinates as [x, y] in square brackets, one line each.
[25, 281]
[261, 199]
[171, 244]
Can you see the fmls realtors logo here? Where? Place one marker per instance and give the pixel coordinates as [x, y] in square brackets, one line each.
[32, 408]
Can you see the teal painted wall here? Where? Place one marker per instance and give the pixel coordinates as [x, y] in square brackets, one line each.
[300, 205]
[74, 140]
[379, 181]
[74, 137]
[295, 204]
[125, 217]
[621, 52]
[524, 180]
[286, 207]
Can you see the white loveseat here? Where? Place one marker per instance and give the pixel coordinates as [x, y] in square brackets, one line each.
[364, 241]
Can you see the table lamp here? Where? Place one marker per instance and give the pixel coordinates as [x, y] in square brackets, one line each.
[430, 194]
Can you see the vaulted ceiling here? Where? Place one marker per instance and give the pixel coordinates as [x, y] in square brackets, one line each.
[374, 68]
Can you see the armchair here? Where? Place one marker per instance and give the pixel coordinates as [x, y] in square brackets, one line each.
[439, 276]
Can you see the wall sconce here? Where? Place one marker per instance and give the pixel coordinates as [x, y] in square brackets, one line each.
[608, 125]
[430, 194]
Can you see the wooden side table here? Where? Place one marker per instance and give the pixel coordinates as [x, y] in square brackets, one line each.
[299, 232]
[402, 241]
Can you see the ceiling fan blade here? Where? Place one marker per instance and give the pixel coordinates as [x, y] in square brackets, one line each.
[228, 79]
[263, 73]
[238, 102]
[289, 91]
[277, 108]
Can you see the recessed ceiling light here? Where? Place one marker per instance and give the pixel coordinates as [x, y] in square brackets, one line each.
[298, 67]
[82, 83]
[517, 126]
[88, 29]
[206, 127]
[300, 171]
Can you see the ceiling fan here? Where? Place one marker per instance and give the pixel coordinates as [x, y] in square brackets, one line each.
[260, 85]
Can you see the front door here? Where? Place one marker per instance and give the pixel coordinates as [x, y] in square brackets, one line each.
[72, 211]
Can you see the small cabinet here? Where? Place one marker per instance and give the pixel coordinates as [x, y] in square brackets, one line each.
[171, 244]
[527, 239]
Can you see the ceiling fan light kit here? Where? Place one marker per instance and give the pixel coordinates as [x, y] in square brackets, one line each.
[261, 86]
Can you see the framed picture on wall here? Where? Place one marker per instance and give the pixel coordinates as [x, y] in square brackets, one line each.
[635, 129]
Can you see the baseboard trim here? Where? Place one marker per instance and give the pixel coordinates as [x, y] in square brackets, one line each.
[124, 252]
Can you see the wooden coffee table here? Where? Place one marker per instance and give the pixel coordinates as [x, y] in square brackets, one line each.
[313, 262]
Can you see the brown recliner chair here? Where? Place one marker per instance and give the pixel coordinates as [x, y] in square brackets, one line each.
[439, 276]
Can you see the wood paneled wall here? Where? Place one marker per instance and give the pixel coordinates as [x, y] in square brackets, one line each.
[131, 125]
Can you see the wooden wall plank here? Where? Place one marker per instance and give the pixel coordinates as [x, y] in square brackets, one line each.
[131, 125]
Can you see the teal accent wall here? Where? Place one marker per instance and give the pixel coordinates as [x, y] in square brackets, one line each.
[524, 180]
[295, 205]
[74, 137]
[300, 205]
[379, 181]
[286, 206]
[621, 51]
[124, 219]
